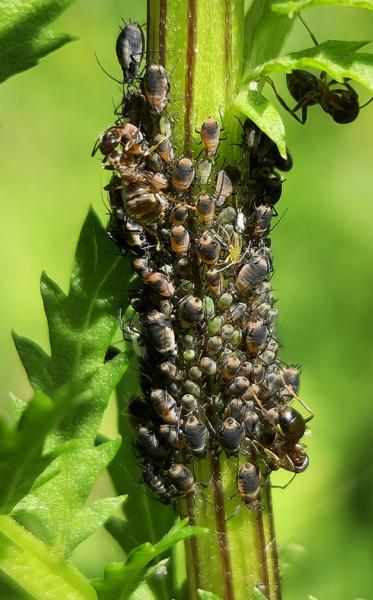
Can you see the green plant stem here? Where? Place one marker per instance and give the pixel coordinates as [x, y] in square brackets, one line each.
[201, 45]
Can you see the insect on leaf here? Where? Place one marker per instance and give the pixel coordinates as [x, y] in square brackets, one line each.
[339, 59]
[255, 106]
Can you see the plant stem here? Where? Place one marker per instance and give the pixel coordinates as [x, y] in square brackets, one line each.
[201, 45]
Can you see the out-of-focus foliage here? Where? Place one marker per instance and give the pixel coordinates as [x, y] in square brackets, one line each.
[339, 59]
[322, 245]
[292, 6]
[24, 38]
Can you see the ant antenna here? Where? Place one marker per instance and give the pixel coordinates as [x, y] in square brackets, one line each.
[366, 104]
[106, 73]
[308, 29]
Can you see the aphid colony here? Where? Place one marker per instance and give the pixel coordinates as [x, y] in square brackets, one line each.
[204, 316]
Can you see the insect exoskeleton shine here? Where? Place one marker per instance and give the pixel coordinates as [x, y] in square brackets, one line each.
[248, 484]
[182, 479]
[130, 49]
[156, 87]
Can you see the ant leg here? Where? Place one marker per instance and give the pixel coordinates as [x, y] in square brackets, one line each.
[280, 99]
[308, 29]
[285, 485]
[366, 103]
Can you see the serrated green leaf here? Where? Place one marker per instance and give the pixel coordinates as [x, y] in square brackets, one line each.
[23, 39]
[255, 106]
[81, 327]
[37, 569]
[290, 7]
[22, 456]
[208, 595]
[59, 504]
[122, 579]
[339, 59]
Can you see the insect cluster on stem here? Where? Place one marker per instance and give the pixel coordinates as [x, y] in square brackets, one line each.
[204, 315]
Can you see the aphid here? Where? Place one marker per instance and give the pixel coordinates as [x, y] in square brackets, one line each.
[262, 219]
[227, 332]
[235, 313]
[208, 365]
[137, 340]
[165, 406]
[291, 376]
[215, 281]
[225, 301]
[130, 49]
[250, 420]
[182, 174]
[251, 273]
[230, 435]
[128, 235]
[164, 148]
[231, 368]
[226, 182]
[248, 485]
[189, 402]
[235, 409]
[182, 478]
[204, 168]
[255, 140]
[156, 483]
[214, 344]
[148, 441]
[132, 140]
[142, 205]
[256, 336]
[190, 311]
[156, 181]
[160, 283]
[172, 436]
[179, 214]
[210, 136]
[208, 249]
[160, 332]
[156, 87]
[206, 209]
[238, 386]
[170, 371]
[179, 240]
[197, 435]
[134, 107]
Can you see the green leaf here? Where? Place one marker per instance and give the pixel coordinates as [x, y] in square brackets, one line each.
[265, 33]
[81, 327]
[23, 37]
[290, 7]
[36, 568]
[255, 106]
[122, 579]
[208, 595]
[339, 59]
[22, 456]
[58, 505]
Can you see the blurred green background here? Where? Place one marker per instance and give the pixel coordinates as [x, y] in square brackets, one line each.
[50, 117]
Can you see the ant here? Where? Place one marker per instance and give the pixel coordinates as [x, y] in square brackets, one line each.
[341, 103]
